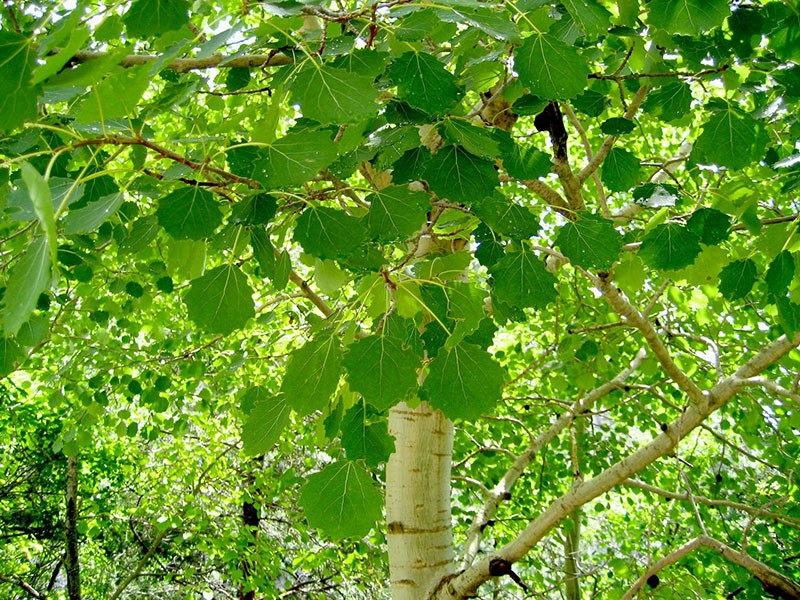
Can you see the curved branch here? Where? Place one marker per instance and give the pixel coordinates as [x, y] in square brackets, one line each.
[502, 490]
[468, 581]
[774, 583]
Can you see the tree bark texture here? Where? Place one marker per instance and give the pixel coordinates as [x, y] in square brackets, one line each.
[418, 514]
[71, 561]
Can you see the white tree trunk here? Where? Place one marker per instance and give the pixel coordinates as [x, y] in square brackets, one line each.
[418, 501]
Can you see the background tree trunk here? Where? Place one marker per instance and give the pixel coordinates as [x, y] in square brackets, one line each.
[71, 561]
[418, 500]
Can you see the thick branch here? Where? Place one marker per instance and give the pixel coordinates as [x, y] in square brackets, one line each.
[181, 65]
[503, 488]
[468, 581]
[775, 583]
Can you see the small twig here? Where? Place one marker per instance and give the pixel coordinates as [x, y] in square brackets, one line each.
[616, 77]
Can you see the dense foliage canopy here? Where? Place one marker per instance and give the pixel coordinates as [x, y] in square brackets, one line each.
[237, 234]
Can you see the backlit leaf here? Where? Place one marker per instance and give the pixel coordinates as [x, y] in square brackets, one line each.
[381, 370]
[92, 215]
[330, 95]
[507, 217]
[780, 273]
[341, 500]
[312, 374]
[691, 17]
[737, 279]
[591, 242]
[265, 421]
[590, 16]
[293, 158]
[29, 277]
[17, 62]
[424, 83]
[146, 18]
[189, 213]
[669, 102]
[464, 382]
[396, 213]
[730, 138]
[363, 440]
[551, 68]
[220, 301]
[621, 170]
[669, 246]
[328, 232]
[710, 225]
[520, 279]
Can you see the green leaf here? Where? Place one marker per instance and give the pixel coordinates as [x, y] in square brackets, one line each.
[465, 306]
[464, 382]
[617, 126]
[476, 140]
[237, 78]
[92, 215]
[263, 251]
[19, 97]
[424, 83]
[396, 213]
[730, 139]
[788, 315]
[737, 279]
[691, 17]
[621, 170]
[495, 21]
[29, 277]
[551, 68]
[42, 201]
[366, 441]
[189, 213]
[294, 158]
[255, 210]
[328, 232]
[312, 374]
[669, 102]
[780, 273]
[10, 355]
[669, 246]
[526, 162]
[381, 370]
[451, 173]
[265, 421]
[330, 95]
[115, 97]
[507, 217]
[520, 279]
[146, 18]
[591, 242]
[591, 17]
[711, 225]
[341, 500]
[220, 301]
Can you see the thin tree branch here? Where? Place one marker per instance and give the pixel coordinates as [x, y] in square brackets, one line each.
[166, 153]
[181, 65]
[587, 147]
[688, 74]
[546, 193]
[774, 583]
[609, 142]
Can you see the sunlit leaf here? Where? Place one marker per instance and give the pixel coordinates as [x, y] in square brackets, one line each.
[551, 68]
[265, 421]
[220, 301]
[341, 500]
[312, 374]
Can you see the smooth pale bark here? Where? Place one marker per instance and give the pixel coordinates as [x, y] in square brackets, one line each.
[419, 525]
[71, 561]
